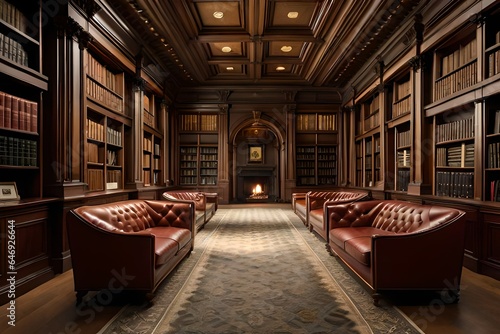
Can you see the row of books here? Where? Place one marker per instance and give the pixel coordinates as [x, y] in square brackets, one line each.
[305, 171]
[113, 179]
[327, 171]
[305, 156]
[93, 153]
[327, 180]
[147, 144]
[496, 124]
[455, 156]
[458, 80]
[195, 122]
[403, 180]
[208, 157]
[188, 164]
[188, 157]
[18, 151]
[402, 90]
[455, 184]
[146, 161]
[372, 121]
[114, 137]
[103, 95]
[327, 164]
[94, 130]
[189, 150]
[208, 180]
[459, 57]
[95, 179]
[305, 122]
[208, 171]
[13, 16]
[494, 155]
[102, 75]
[208, 150]
[401, 107]
[495, 191]
[149, 119]
[327, 122]
[18, 114]
[373, 106]
[404, 139]
[461, 129]
[13, 50]
[209, 164]
[306, 181]
[185, 180]
[156, 163]
[493, 63]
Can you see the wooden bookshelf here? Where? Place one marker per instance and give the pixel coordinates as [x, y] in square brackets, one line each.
[21, 113]
[105, 124]
[403, 157]
[454, 155]
[198, 122]
[492, 150]
[316, 152]
[456, 65]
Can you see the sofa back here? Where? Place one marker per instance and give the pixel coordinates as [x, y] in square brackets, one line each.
[318, 198]
[406, 217]
[197, 197]
[136, 215]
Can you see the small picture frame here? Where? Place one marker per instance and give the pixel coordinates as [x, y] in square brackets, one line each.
[8, 191]
[256, 153]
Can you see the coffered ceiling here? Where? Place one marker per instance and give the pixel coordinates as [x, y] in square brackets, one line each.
[263, 42]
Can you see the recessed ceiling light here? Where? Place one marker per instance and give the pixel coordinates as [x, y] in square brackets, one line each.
[230, 68]
[293, 15]
[218, 15]
[280, 68]
[226, 49]
[286, 48]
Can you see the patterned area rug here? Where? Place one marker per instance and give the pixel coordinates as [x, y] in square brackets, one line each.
[257, 269]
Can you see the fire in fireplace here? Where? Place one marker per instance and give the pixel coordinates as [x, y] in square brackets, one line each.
[257, 193]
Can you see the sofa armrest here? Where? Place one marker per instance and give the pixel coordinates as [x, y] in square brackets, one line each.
[98, 256]
[295, 197]
[351, 215]
[431, 258]
[212, 198]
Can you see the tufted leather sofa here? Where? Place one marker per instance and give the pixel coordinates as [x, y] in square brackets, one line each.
[398, 245]
[299, 205]
[128, 245]
[205, 203]
[319, 202]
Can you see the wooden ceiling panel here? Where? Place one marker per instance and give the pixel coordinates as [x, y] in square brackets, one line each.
[329, 40]
[226, 14]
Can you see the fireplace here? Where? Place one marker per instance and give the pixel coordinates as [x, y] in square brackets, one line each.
[249, 178]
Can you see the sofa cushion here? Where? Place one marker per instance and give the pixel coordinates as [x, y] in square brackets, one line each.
[181, 236]
[165, 250]
[356, 241]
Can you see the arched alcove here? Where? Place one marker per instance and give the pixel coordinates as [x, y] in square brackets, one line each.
[257, 158]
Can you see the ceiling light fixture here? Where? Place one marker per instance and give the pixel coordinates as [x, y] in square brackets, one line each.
[293, 15]
[280, 68]
[218, 15]
[230, 68]
[286, 48]
[226, 49]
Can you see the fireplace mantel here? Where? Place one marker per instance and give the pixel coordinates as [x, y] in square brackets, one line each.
[249, 175]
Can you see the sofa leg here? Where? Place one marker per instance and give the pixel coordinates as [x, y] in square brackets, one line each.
[376, 298]
[79, 296]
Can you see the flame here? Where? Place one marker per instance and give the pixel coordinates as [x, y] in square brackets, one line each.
[257, 189]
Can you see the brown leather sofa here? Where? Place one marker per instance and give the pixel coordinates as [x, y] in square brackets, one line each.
[319, 202]
[205, 203]
[128, 245]
[398, 245]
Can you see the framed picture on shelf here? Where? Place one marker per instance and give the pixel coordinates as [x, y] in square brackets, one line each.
[8, 191]
[256, 153]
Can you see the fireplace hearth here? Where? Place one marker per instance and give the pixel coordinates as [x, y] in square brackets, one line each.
[249, 178]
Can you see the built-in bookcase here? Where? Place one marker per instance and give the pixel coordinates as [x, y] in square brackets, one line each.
[316, 151]
[199, 158]
[153, 140]
[492, 45]
[104, 125]
[368, 159]
[454, 155]
[399, 136]
[456, 65]
[22, 85]
[492, 150]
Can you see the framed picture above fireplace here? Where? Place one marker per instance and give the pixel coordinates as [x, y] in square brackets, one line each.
[256, 153]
